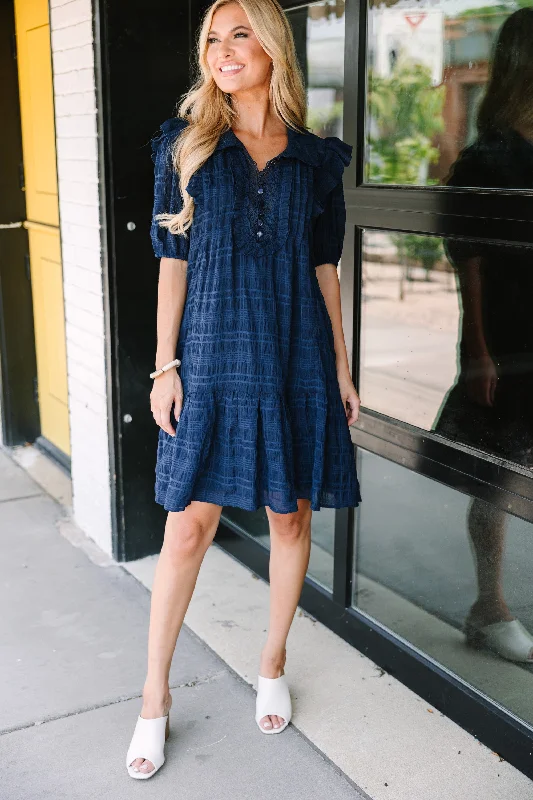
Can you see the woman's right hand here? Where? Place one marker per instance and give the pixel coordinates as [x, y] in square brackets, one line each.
[481, 380]
[167, 389]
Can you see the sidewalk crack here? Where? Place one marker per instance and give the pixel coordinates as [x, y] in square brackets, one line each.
[22, 497]
[53, 718]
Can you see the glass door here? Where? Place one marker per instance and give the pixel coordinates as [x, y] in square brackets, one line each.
[439, 98]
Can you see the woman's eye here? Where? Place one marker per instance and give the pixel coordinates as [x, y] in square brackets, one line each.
[213, 38]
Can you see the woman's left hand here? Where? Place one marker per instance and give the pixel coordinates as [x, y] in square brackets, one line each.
[350, 398]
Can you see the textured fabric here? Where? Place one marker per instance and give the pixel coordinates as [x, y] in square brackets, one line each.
[263, 422]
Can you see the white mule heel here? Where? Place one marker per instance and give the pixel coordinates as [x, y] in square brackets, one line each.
[273, 697]
[148, 742]
[508, 639]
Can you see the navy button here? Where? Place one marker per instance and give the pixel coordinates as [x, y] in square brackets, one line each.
[259, 221]
[259, 233]
[260, 190]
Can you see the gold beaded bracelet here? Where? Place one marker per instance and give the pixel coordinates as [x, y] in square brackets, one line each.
[158, 372]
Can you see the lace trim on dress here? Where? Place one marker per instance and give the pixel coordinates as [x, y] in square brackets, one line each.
[261, 197]
[261, 222]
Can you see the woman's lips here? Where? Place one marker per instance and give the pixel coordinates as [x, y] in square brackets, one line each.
[234, 71]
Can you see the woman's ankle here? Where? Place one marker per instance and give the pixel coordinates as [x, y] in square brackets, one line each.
[156, 697]
[489, 610]
[273, 659]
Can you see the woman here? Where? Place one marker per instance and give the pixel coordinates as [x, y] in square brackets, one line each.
[489, 407]
[248, 222]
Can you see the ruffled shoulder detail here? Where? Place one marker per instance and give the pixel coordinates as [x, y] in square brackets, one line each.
[167, 133]
[336, 156]
[165, 137]
[338, 148]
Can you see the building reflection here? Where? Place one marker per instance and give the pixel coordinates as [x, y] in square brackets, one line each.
[428, 66]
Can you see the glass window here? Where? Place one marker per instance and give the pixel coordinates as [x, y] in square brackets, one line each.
[432, 565]
[319, 36]
[447, 338]
[409, 326]
[442, 77]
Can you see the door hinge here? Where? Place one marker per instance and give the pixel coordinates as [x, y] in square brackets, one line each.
[13, 47]
[22, 184]
[27, 266]
[35, 390]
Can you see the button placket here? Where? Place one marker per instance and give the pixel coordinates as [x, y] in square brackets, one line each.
[260, 191]
[261, 229]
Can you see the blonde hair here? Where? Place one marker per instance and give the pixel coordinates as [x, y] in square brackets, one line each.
[209, 110]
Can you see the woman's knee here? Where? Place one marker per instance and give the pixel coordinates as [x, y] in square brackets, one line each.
[188, 534]
[484, 519]
[293, 525]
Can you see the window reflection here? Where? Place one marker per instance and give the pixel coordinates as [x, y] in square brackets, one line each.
[435, 74]
[410, 320]
[319, 36]
[489, 405]
[447, 338]
[449, 574]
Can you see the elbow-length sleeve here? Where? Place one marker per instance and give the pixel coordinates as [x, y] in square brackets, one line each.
[167, 195]
[330, 223]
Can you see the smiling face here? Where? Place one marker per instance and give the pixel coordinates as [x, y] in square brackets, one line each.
[235, 57]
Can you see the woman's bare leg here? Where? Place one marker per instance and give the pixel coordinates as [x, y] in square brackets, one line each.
[290, 547]
[486, 527]
[188, 534]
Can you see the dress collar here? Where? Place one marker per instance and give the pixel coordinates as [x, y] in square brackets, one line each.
[302, 145]
[305, 146]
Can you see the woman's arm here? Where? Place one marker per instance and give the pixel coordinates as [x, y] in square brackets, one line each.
[481, 375]
[470, 286]
[328, 280]
[167, 388]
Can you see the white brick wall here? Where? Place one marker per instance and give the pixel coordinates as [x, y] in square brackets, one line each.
[79, 192]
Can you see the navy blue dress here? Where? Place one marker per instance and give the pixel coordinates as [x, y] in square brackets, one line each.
[262, 422]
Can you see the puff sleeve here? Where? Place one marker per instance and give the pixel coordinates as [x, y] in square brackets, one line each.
[330, 220]
[167, 196]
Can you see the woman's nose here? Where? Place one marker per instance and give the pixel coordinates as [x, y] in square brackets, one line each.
[225, 47]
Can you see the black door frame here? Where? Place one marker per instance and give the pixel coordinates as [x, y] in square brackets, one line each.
[143, 65]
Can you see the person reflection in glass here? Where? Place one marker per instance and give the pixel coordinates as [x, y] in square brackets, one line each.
[490, 407]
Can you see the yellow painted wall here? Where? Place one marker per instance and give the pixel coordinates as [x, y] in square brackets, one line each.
[42, 209]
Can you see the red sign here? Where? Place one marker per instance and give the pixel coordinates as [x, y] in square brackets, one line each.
[414, 20]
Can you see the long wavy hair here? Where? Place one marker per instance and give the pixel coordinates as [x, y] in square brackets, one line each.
[508, 100]
[210, 111]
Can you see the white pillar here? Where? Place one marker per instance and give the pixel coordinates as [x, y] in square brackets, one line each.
[79, 207]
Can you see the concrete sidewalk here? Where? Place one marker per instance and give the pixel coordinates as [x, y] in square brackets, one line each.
[73, 653]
